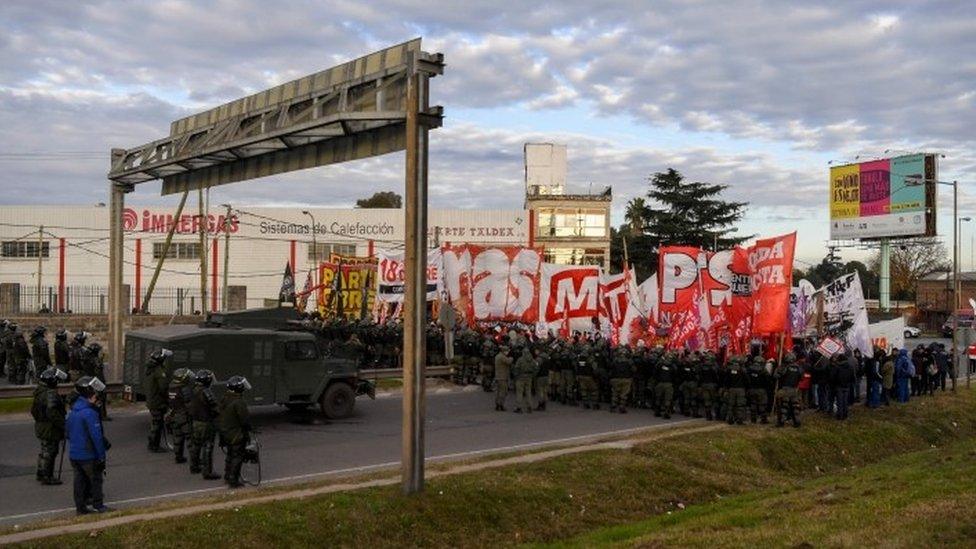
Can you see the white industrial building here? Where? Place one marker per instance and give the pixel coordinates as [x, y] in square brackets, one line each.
[73, 266]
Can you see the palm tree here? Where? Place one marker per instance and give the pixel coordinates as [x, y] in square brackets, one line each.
[635, 214]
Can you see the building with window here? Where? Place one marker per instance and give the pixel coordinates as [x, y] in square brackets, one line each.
[573, 229]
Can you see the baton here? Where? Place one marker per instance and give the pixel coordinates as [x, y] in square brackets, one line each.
[61, 461]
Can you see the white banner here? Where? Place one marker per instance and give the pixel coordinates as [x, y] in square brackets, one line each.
[845, 316]
[888, 334]
[390, 271]
[569, 294]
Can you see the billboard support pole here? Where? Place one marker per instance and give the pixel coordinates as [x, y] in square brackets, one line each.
[415, 283]
[884, 280]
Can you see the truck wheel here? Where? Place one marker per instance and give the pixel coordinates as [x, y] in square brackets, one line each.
[337, 401]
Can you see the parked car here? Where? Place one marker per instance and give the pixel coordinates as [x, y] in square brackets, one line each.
[965, 321]
[912, 331]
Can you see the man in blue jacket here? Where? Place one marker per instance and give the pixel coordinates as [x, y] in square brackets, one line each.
[87, 446]
[904, 371]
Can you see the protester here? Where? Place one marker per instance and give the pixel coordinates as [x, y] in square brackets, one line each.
[904, 373]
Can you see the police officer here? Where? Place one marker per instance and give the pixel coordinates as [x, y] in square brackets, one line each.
[621, 376]
[503, 371]
[541, 384]
[736, 382]
[234, 424]
[76, 355]
[48, 411]
[525, 370]
[40, 350]
[788, 375]
[203, 411]
[179, 394]
[4, 337]
[94, 366]
[585, 376]
[567, 376]
[664, 386]
[155, 386]
[688, 389]
[61, 349]
[758, 380]
[22, 357]
[488, 351]
[708, 384]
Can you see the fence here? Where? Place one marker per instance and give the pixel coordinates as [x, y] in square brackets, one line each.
[94, 300]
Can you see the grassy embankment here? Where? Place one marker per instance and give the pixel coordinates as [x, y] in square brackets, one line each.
[902, 476]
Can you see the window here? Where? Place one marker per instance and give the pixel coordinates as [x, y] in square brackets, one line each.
[571, 222]
[574, 256]
[301, 350]
[23, 249]
[324, 250]
[177, 250]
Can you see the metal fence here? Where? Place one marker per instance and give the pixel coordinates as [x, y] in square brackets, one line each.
[94, 300]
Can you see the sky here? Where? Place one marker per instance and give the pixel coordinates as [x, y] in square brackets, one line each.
[756, 95]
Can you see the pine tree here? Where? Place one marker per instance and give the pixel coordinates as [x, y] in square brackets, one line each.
[677, 212]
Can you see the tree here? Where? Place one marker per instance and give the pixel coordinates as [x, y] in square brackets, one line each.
[678, 212]
[911, 262]
[384, 199]
[635, 214]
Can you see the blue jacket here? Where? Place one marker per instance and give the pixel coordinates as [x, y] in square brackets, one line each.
[903, 366]
[86, 442]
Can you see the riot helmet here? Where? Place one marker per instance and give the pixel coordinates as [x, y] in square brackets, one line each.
[52, 376]
[88, 386]
[204, 377]
[238, 384]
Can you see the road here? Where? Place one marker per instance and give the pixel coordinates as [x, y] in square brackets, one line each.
[460, 424]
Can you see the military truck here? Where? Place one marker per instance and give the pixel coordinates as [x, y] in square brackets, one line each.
[285, 361]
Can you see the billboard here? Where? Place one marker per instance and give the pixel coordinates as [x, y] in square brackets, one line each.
[883, 198]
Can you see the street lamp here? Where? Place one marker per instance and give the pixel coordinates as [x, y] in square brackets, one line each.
[914, 180]
[315, 247]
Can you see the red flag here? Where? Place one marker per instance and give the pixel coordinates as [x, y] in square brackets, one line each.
[771, 266]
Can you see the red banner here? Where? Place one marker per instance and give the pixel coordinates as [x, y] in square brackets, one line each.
[771, 267]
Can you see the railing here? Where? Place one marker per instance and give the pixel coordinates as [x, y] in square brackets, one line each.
[94, 300]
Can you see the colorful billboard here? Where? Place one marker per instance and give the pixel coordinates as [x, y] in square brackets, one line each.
[891, 197]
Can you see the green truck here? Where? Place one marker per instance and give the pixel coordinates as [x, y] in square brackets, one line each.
[284, 360]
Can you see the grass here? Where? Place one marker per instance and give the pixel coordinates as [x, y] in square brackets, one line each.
[719, 486]
[15, 405]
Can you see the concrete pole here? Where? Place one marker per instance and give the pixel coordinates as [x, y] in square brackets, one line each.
[203, 252]
[955, 282]
[415, 285]
[116, 308]
[226, 292]
[884, 280]
[40, 263]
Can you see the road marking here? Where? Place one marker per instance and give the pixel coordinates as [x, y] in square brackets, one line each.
[367, 468]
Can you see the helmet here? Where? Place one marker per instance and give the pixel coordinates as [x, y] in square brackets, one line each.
[789, 358]
[61, 334]
[81, 337]
[159, 356]
[94, 348]
[52, 376]
[204, 377]
[88, 386]
[183, 374]
[40, 331]
[4, 323]
[12, 326]
[238, 384]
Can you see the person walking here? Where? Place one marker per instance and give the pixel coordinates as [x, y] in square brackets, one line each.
[88, 447]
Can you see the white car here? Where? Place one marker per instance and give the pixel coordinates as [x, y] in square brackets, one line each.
[912, 331]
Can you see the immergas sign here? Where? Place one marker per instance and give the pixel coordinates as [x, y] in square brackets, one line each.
[148, 221]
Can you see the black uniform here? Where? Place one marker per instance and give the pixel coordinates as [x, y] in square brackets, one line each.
[203, 410]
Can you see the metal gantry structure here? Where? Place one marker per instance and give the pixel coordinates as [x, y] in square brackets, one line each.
[373, 105]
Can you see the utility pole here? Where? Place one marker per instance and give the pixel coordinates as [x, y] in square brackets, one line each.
[315, 251]
[203, 253]
[226, 292]
[40, 262]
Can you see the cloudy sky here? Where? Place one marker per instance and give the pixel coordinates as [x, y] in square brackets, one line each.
[757, 95]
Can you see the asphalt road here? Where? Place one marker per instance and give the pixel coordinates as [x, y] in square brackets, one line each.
[460, 424]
